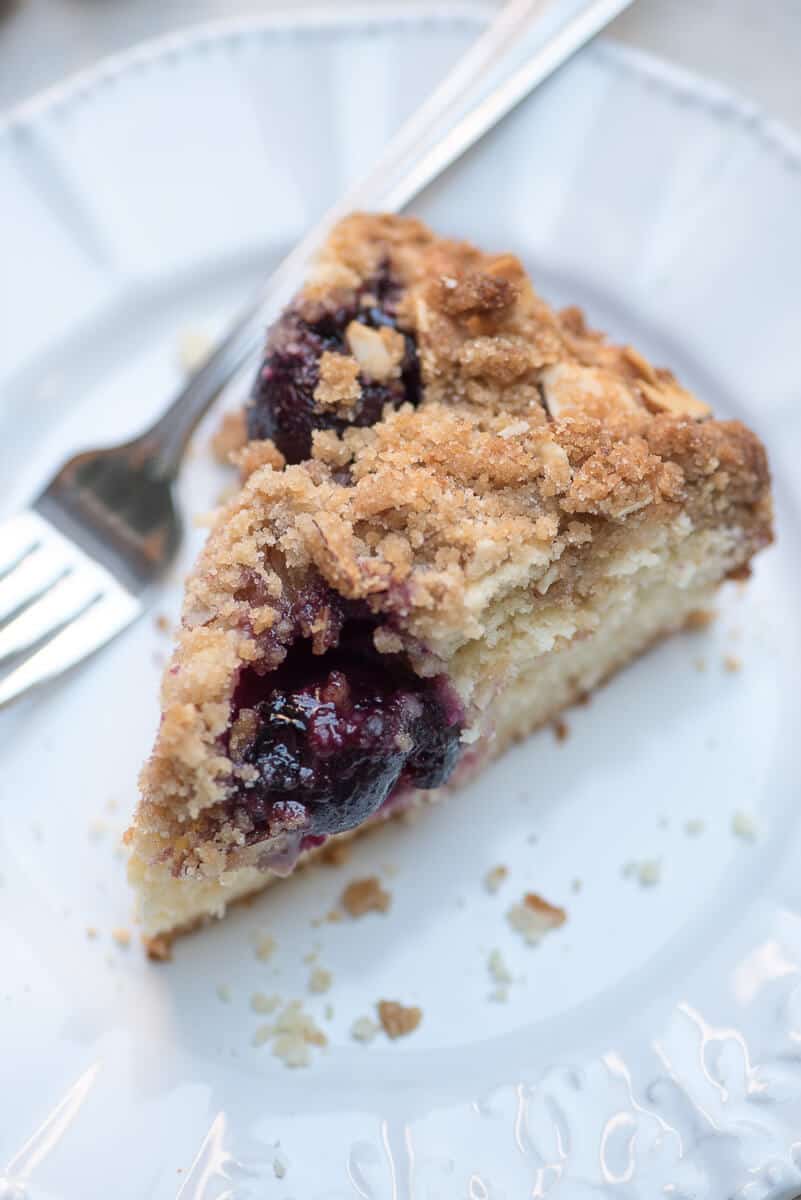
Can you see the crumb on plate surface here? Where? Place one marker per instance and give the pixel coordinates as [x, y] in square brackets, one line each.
[320, 980]
[398, 1020]
[365, 895]
[743, 825]
[495, 877]
[533, 917]
[364, 1029]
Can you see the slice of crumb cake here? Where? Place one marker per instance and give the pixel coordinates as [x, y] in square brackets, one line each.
[460, 512]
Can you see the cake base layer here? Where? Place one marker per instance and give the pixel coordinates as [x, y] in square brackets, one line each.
[643, 608]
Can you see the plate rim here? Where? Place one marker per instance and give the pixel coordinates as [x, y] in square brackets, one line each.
[358, 15]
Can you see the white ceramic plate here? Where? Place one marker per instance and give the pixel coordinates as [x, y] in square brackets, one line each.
[649, 1048]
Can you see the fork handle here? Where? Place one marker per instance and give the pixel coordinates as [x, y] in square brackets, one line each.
[457, 114]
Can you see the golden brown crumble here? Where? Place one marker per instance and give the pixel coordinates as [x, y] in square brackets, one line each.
[535, 444]
[398, 1020]
[259, 453]
[533, 917]
[364, 896]
[339, 386]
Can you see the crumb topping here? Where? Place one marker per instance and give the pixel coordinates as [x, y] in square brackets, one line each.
[339, 386]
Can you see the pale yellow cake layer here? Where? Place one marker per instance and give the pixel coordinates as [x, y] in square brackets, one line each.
[642, 605]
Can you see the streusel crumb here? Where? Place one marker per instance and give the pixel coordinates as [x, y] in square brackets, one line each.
[398, 1020]
[533, 917]
[364, 896]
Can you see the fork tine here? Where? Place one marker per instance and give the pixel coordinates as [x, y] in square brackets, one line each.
[18, 536]
[61, 603]
[37, 572]
[95, 626]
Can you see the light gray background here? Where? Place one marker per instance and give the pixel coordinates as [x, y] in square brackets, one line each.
[752, 45]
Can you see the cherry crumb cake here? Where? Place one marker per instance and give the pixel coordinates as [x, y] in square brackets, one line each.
[460, 511]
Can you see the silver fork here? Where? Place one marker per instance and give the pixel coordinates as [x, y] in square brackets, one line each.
[76, 568]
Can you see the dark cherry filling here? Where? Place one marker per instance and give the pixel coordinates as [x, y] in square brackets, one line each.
[334, 735]
[282, 400]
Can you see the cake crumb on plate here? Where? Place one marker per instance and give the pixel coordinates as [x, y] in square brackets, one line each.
[533, 917]
[364, 1029]
[293, 1032]
[365, 895]
[495, 877]
[122, 937]
[743, 825]
[732, 663]
[649, 872]
[264, 946]
[261, 1003]
[398, 1020]
[224, 993]
[497, 967]
[320, 980]
[694, 826]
